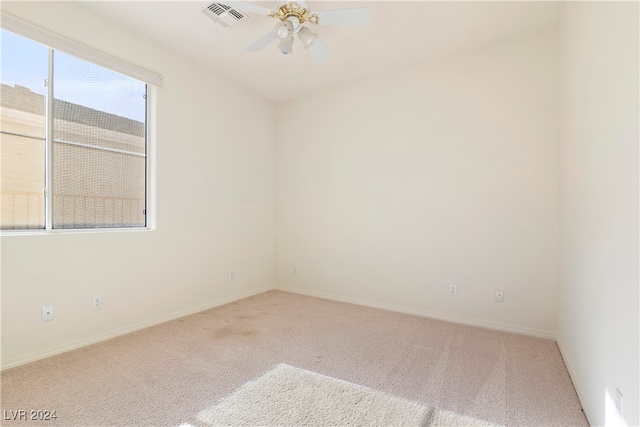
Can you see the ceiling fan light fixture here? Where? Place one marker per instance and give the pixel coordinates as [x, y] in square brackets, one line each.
[283, 30]
[292, 14]
[307, 37]
[286, 46]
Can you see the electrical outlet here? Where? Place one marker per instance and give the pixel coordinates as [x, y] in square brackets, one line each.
[453, 290]
[97, 303]
[231, 276]
[500, 296]
[47, 313]
[618, 402]
[295, 270]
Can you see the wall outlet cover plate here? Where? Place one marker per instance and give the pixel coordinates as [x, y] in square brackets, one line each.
[47, 313]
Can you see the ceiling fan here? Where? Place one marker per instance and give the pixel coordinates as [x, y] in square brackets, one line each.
[291, 15]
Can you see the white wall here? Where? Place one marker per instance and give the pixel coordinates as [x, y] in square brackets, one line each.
[215, 210]
[390, 189]
[598, 310]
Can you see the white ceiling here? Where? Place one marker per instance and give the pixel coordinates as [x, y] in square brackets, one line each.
[399, 35]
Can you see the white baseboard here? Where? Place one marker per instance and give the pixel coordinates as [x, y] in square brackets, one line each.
[175, 315]
[425, 313]
[576, 384]
[126, 330]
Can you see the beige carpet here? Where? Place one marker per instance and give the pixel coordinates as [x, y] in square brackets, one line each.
[181, 373]
[294, 397]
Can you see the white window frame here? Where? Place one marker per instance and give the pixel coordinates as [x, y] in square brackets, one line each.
[152, 79]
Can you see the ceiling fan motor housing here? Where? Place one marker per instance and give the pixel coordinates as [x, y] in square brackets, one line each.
[293, 9]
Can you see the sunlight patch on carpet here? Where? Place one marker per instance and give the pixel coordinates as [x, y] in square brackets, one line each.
[291, 396]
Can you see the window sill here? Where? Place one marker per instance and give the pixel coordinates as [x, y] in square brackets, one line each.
[39, 232]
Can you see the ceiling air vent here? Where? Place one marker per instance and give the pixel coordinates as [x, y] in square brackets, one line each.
[223, 14]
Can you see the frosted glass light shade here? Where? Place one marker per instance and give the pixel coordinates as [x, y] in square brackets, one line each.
[286, 46]
[307, 37]
[284, 29]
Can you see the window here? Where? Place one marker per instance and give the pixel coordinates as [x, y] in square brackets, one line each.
[74, 141]
[23, 131]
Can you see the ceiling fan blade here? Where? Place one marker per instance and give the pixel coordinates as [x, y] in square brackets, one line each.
[245, 6]
[355, 16]
[319, 51]
[262, 42]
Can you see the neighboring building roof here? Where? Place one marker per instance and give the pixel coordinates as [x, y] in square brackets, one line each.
[22, 98]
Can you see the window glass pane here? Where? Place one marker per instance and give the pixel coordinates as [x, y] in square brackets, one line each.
[22, 147]
[99, 149]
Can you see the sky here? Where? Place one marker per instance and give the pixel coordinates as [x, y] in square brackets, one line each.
[25, 62]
